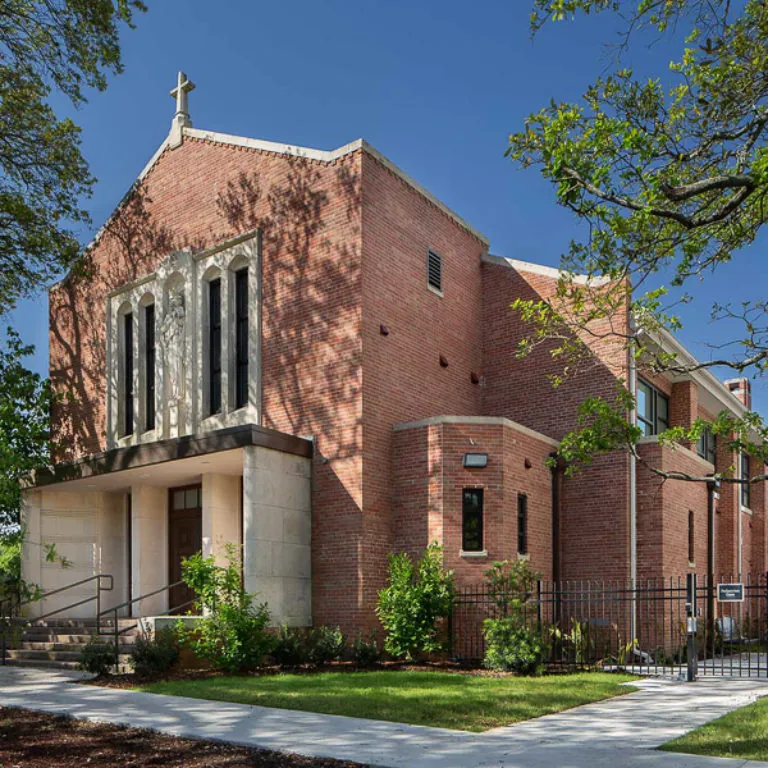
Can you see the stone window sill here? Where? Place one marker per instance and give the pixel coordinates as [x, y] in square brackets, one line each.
[482, 553]
[746, 510]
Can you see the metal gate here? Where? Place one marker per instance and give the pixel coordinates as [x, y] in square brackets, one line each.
[676, 626]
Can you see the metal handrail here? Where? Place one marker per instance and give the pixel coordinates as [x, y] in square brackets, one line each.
[5, 619]
[116, 632]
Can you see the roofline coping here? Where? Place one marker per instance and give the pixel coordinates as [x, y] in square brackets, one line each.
[677, 447]
[478, 421]
[322, 155]
[541, 269]
[703, 376]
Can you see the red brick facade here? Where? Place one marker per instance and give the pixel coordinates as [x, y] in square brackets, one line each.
[355, 346]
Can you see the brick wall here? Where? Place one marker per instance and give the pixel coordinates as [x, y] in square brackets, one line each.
[403, 378]
[662, 513]
[433, 454]
[309, 214]
[595, 501]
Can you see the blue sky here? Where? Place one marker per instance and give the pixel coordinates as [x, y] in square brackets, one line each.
[436, 87]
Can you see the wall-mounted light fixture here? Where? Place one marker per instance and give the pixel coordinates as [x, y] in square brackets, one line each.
[475, 460]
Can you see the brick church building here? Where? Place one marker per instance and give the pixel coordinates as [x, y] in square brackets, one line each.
[307, 354]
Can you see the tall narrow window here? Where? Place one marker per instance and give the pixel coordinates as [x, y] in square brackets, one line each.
[472, 520]
[707, 446]
[652, 409]
[744, 474]
[691, 539]
[128, 373]
[214, 346]
[149, 364]
[522, 524]
[241, 338]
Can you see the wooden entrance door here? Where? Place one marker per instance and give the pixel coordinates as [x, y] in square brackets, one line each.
[185, 538]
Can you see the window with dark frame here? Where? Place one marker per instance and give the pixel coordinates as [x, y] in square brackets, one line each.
[707, 445]
[149, 364]
[691, 538]
[744, 475]
[652, 409]
[214, 346]
[522, 524]
[472, 520]
[241, 338]
[128, 373]
[435, 270]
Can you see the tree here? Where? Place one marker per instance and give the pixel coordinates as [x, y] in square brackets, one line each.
[671, 176]
[45, 46]
[25, 401]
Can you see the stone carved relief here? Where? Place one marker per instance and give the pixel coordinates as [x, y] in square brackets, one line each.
[173, 343]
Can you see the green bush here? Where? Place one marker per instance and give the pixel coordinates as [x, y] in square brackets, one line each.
[415, 598]
[510, 647]
[511, 644]
[10, 562]
[153, 656]
[290, 647]
[365, 650]
[233, 634]
[98, 657]
[326, 644]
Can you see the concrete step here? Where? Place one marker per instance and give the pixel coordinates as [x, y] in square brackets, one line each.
[43, 655]
[37, 637]
[65, 646]
[39, 664]
[82, 623]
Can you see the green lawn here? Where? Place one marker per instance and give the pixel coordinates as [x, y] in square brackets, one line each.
[464, 702]
[742, 733]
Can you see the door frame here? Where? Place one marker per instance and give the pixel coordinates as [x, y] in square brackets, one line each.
[171, 510]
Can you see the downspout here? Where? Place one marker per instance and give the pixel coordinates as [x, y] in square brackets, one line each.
[633, 487]
[555, 470]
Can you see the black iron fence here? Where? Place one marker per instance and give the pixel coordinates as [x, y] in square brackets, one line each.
[651, 626]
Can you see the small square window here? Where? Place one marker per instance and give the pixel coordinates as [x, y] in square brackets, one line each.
[435, 271]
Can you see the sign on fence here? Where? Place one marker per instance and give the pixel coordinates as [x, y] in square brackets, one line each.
[730, 593]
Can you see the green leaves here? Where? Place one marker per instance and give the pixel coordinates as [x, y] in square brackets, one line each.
[232, 635]
[25, 403]
[46, 46]
[670, 175]
[413, 601]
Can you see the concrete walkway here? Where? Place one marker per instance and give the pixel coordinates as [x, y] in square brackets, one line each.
[620, 732]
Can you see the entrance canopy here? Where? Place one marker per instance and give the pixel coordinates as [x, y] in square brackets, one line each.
[174, 462]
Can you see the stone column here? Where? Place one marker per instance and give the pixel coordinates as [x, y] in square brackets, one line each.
[149, 551]
[277, 522]
[221, 515]
[31, 555]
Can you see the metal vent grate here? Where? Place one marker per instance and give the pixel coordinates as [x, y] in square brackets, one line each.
[434, 270]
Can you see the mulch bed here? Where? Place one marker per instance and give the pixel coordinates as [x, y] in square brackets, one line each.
[36, 740]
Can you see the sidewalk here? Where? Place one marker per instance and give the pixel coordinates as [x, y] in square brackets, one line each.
[615, 733]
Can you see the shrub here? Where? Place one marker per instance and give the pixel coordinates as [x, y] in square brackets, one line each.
[232, 635]
[98, 657]
[413, 601]
[366, 651]
[326, 644]
[153, 656]
[290, 647]
[510, 643]
[510, 647]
